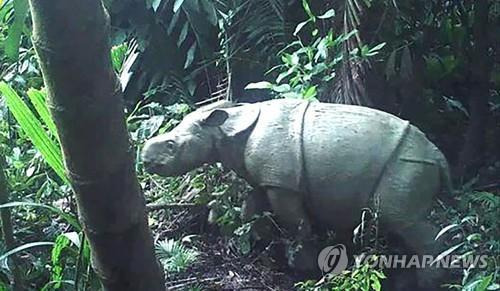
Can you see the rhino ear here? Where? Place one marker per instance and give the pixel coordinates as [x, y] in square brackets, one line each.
[216, 118]
[232, 120]
[240, 119]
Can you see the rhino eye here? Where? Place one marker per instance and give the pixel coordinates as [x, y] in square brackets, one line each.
[170, 145]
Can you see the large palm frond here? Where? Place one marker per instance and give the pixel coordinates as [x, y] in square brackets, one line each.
[203, 43]
[349, 87]
[251, 34]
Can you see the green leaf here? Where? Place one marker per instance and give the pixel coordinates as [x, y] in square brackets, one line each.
[74, 238]
[37, 98]
[281, 88]
[177, 5]
[480, 284]
[24, 247]
[34, 130]
[118, 54]
[292, 95]
[57, 263]
[373, 51]
[183, 35]
[284, 75]
[329, 14]
[378, 47]
[155, 4]
[190, 55]
[13, 40]
[174, 256]
[446, 253]
[444, 230]
[307, 8]
[375, 282]
[322, 52]
[485, 282]
[473, 237]
[300, 26]
[347, 36]
[259, 85]
[310, 93]
[173, 22]
[66, 216]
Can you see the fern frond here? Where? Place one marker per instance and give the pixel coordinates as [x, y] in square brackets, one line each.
[486, 199]
[174, 256]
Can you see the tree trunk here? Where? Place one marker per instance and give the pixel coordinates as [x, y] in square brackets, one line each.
[472, 156]
[71, 40]
[7, 231]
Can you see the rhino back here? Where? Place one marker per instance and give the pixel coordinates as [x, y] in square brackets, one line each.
[346, 150]
[329, 143]
[343, 142]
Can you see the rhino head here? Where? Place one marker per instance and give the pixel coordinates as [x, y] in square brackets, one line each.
[195, 140]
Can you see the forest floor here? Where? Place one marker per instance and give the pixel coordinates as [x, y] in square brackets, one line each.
[220, 265]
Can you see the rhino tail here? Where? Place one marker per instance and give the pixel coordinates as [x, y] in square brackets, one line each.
[444, 175]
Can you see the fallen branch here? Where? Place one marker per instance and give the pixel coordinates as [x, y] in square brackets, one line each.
[491, 186]
[182, 284]
[154, 206]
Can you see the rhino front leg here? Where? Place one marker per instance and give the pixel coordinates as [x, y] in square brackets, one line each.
[290, 210]
[255, 204]
[253, 209]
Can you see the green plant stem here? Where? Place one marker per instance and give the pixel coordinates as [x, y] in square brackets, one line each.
[79, 261]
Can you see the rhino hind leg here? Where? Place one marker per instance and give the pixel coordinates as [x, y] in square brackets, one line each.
[405, 195]
[419, 239]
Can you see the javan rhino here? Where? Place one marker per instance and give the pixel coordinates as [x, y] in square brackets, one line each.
[317, 163]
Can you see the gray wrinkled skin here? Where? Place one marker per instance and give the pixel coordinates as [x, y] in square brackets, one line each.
[316, 163]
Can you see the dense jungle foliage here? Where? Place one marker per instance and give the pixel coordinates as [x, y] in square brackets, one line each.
[434, 63]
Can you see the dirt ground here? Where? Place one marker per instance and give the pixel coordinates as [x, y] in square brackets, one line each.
[220, 266]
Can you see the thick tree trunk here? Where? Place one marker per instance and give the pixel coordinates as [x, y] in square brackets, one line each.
[472, 155]
[7, 230]
[71, 40]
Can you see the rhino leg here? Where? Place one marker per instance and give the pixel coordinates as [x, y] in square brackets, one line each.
[253, 208]
[255, 204]
[419, 239]
[405, 194]
[289, 208]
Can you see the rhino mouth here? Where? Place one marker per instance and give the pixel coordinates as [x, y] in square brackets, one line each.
[154, 168]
